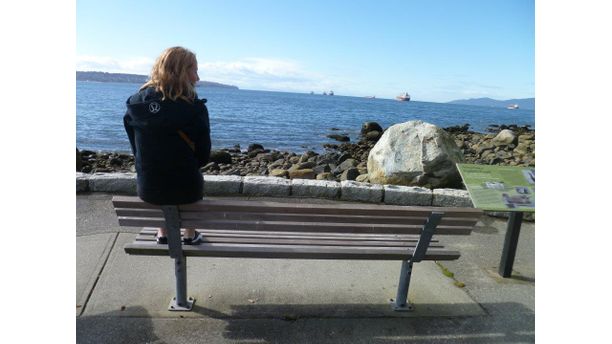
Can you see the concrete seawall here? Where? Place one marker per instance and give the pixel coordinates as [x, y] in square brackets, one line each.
[125, 183]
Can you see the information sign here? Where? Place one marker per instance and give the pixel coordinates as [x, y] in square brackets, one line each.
[500, 188]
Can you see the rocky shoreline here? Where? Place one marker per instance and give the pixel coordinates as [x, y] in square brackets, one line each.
[508, 145]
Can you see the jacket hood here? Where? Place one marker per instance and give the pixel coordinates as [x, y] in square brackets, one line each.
[147, 109]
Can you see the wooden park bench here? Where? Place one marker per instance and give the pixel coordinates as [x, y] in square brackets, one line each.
[263, 229]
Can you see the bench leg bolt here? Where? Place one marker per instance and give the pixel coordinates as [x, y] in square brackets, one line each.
[176, 307]
[407, 307]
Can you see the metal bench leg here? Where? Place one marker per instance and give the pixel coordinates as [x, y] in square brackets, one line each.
[401, 299]
[173, 226]
[401, 303]
[181, 302]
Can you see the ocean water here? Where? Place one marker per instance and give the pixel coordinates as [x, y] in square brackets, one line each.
[292, 122]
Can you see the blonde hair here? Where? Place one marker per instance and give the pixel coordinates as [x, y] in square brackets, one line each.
[170, 74]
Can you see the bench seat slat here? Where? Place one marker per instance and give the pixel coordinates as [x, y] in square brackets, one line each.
[290, 251]
[190, 215]
[295, 226]
[302, 208]
[404, 220]
[297, 241]
[298, 235]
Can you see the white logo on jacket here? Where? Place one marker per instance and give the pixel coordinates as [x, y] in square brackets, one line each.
[154, 107]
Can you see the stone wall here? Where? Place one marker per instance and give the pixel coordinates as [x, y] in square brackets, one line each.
[125, 184]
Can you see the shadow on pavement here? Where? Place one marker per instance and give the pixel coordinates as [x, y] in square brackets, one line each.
[515, 325]
[111, 328]
[512, 323]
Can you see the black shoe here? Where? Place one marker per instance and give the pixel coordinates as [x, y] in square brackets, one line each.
[196, 240]
[161, 240]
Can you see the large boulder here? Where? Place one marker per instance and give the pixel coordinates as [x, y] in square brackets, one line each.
[415, 153]
[506, 137]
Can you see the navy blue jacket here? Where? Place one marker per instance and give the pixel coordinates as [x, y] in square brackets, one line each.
[168, 170]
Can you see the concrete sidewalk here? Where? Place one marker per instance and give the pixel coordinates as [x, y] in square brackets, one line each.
[124, 299]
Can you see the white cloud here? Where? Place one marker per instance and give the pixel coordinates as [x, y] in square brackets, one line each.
[138, 65]
[264, 73]
[248, 73]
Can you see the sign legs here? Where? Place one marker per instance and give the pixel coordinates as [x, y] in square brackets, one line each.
[512, 234]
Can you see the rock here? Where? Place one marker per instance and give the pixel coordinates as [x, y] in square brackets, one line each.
[350, 174]
[343, 157]
[341, 138]
[254, 146]
[121, 183]
[330, 146]
[315, 188]
[505, 137]
[407, 195]
[325, 176]
[276, 165]
[255, 152]
[220, 157]
[235, 149]
[211, 166]
[346, 164]
[279, 173]
[373, 135]
[415, 153]
[266, 186]
[302, 174]
[87, 153]
[458, 128]
[79, 162]
[82, 182]
[306, 156]
[222, 185]
[526, 137]
[522, 148]
[362, 192]
[362, 178]
[502, 154]
[265, 157]
[304, 165]
[370, 126]
[321, 168]
[231, 172]
[451, 198]
[485, 146]
[115, 161]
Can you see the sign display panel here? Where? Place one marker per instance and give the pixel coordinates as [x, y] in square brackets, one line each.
[500, 188]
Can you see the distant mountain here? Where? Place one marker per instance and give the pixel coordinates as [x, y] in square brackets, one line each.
[133, 78]
[526, 103]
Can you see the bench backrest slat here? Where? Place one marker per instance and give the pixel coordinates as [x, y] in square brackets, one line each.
[300, 208]
[294, 226]
[258, 216]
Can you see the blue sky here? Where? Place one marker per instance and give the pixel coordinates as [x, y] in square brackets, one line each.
[435, 50]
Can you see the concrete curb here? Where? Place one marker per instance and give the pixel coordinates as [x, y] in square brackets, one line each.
[125, 183]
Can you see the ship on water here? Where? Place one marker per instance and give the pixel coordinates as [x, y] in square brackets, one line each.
[403, 97]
